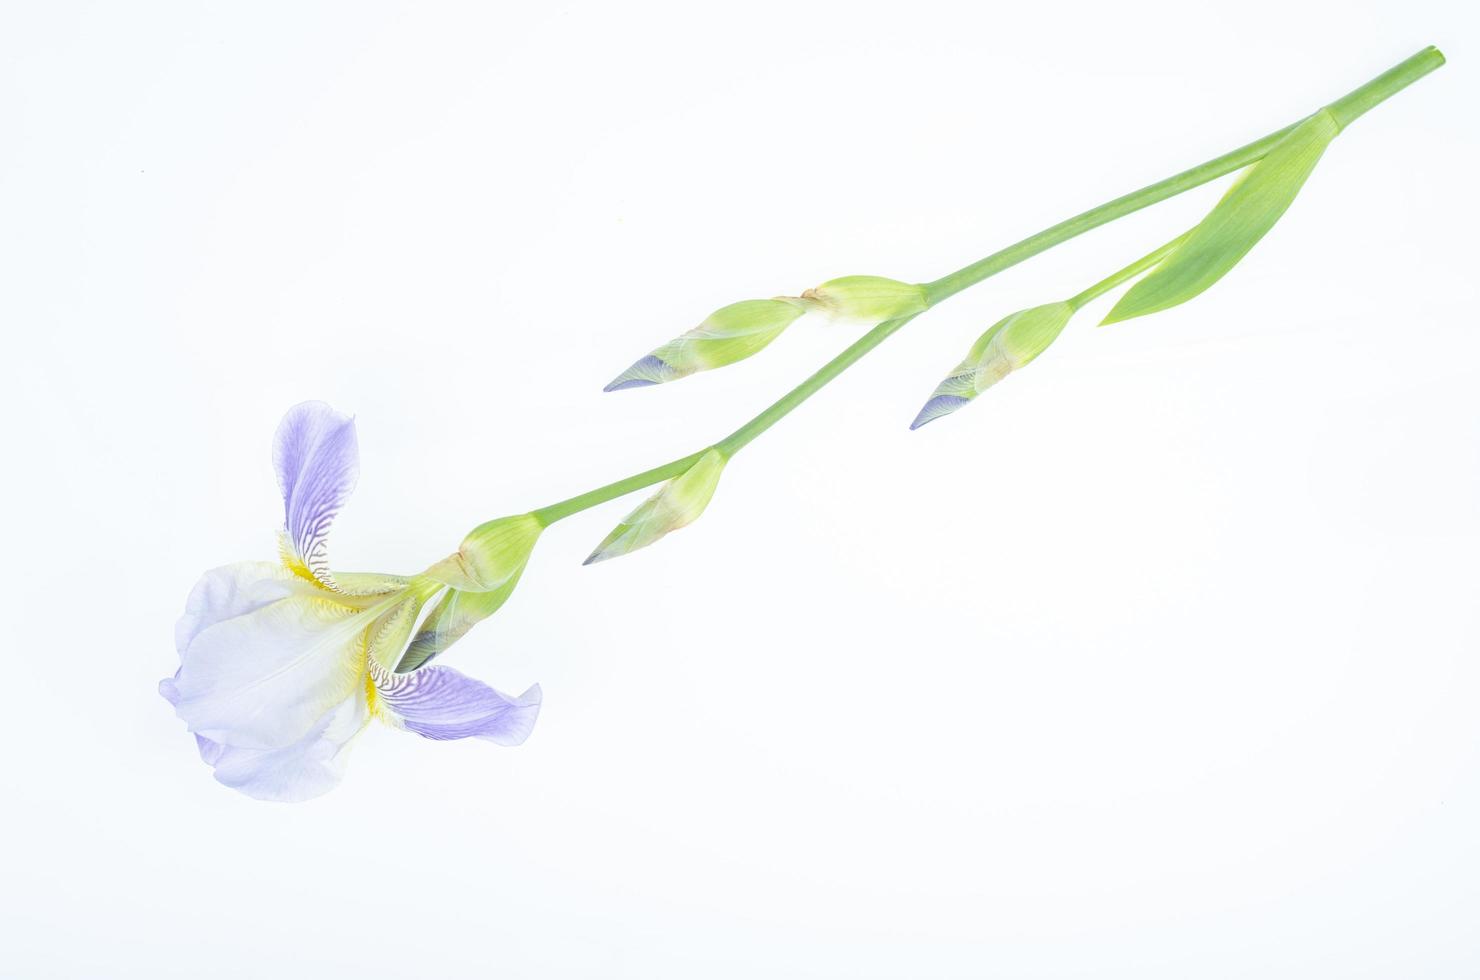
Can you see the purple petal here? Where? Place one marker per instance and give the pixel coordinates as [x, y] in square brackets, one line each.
[318, 461]
[440, 703]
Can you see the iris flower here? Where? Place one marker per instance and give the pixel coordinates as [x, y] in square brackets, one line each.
[283, 665]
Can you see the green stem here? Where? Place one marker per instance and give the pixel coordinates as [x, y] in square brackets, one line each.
[1129, 272]
[1385, 86]
[1345, 110]
[737, 440]
[574, 505]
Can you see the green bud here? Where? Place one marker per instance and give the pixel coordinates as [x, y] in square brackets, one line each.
[731, 333]
[871, 298]
[678, 503]
[1011, 343]
[492, 555]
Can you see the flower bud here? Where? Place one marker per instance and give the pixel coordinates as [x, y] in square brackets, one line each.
[492, 555]
[731, 333]
[871, 298]
[679, 502]
[1010, 344]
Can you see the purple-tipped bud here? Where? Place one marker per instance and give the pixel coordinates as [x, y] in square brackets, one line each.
[1010, 344]
[937, 406]
[650, 370]
[731, 333]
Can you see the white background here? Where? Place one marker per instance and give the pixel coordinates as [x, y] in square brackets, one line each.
[1157, 661]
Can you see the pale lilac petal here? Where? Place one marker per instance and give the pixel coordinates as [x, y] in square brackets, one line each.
[440, 703]
[230, 591]
[211, 752]
[309, 767]
[317, 458]
[261, 674]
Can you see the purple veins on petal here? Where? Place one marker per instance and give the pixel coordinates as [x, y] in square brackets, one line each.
[317, 457]
[441, 703]
[650, 370]
[936, 407]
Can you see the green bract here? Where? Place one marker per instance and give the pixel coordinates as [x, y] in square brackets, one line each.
[492, 555]
[1249, 209]
[870, 298]
[1010, 343]
[479, 576]
[678, 503]
[450, 620]
[731, 333]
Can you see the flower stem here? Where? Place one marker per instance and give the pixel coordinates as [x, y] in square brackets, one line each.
[574, 505]
[1345, 110]
[1359, 100]
[1129, 272]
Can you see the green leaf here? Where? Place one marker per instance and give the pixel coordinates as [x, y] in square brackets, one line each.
[1244, 215]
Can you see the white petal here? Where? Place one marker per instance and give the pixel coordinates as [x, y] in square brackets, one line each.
[263, 678]
[230, 591]
[309, 767]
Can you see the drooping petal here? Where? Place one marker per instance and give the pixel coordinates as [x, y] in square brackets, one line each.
[441, 703]
[262, 678]
[317, 458]
[230, 591]
[307, 768]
